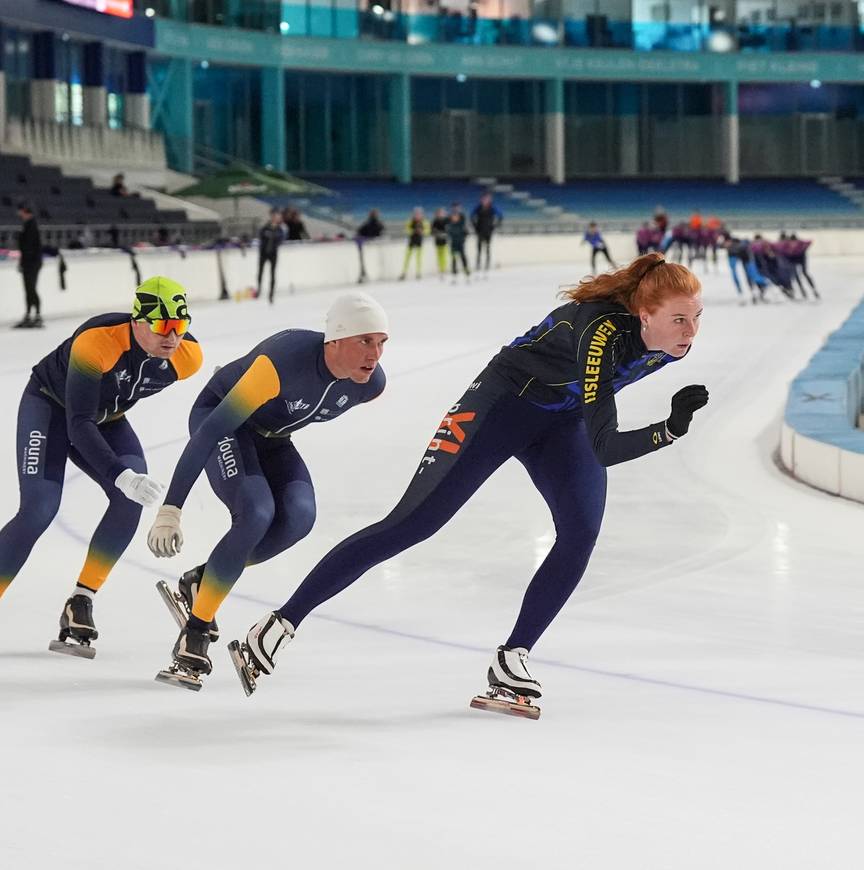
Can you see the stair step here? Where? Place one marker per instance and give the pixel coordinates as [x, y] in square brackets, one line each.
[485, 181]
[520, 195]
[502, 188]
[535, 202]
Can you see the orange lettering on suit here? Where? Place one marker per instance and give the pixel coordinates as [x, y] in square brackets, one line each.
[451, 425]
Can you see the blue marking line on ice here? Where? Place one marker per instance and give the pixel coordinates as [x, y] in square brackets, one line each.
[421, 638]
[156, 573]
[598, 672]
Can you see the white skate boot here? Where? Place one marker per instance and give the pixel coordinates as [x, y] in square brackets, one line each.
[511, 686]
[258, 654]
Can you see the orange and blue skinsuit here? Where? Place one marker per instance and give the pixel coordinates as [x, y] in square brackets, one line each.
[74, 408]
[240, 433]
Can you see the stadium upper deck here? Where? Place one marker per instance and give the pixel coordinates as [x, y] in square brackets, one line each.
[674, 25]
[455, 89]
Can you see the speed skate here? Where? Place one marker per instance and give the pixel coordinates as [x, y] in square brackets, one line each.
[511, 686]
[77, 629]
[191, 661]
[174, 603]
[500, 700]
[80, 648]
[246, 671]
[258, 653]
[176, 675]
[183, 678]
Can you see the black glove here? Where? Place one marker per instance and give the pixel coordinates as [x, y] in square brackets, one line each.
[684, 403]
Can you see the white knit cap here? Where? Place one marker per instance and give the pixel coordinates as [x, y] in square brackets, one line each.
[354, 314]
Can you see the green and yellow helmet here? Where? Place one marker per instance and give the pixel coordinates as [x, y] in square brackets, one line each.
[160, 298]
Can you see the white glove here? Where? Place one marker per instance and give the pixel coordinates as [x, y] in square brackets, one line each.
[165, 538]
[139, 487]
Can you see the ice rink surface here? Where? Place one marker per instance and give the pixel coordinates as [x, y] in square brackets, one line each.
[703, 689]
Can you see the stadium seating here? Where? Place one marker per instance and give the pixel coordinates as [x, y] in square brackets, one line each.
[638, 198]
[64, 204]
[625, 202]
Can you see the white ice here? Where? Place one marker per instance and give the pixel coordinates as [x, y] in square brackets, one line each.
[702, 689]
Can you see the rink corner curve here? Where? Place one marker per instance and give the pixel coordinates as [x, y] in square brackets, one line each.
[821, 443]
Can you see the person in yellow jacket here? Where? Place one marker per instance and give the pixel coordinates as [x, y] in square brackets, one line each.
[416, 228]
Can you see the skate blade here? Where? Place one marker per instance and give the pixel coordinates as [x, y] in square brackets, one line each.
[180, 680]
[243, 672]
[522, 709]
[177, 610]
[81, 651]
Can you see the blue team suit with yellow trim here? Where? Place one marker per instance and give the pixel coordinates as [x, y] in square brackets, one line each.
[547, 399]
[240, 428]
[74, 408]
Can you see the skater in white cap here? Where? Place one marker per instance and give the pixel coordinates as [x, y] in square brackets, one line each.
[240, 433]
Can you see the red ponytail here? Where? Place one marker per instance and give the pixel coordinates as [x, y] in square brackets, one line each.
[645, 283]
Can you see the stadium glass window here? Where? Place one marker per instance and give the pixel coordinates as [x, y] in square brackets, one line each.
[68, 95]
[115, 87]
[76, 104]
[18, 66]
[115, 110]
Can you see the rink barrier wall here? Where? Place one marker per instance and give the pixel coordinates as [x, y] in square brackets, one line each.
[102, 280]
[820, 442]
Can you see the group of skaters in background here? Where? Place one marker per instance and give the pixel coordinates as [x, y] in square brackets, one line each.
[756, 263]
[449, 231]
[782, 263]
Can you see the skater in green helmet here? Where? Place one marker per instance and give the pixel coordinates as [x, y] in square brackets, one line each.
[73, 408]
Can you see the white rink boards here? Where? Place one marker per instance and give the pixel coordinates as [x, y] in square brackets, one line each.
[703, 703]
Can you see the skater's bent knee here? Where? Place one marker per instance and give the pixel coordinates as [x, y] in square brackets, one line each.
[301, 521]
[255, 516]
[300, 509]
[39, 510]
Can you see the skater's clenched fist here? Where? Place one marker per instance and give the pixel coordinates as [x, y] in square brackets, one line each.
[685, 403]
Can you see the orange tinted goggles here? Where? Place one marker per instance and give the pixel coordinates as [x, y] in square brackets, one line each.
[166, 327]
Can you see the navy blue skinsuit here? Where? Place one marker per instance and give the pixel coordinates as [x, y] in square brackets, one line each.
[74, 408]
[548, 399]
[240, 428]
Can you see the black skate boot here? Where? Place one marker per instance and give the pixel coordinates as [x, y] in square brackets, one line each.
[190, 660]
[76, 624]
[511, 686]
[181, 602]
